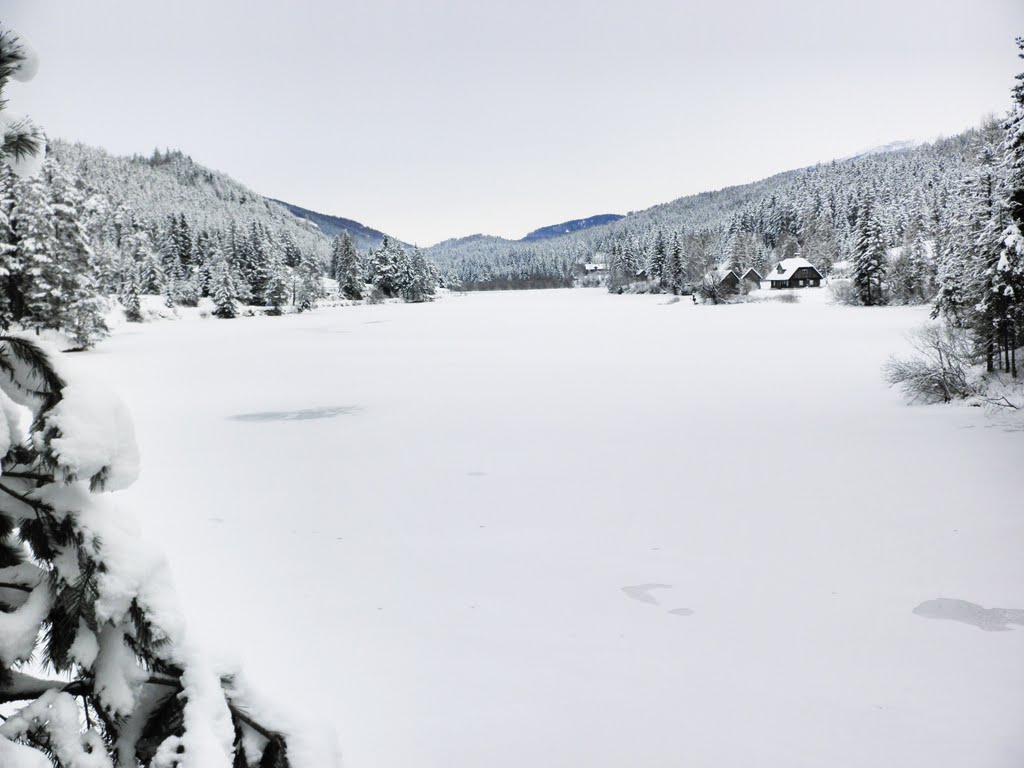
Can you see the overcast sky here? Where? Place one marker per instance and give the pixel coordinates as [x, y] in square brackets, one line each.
[431, 119]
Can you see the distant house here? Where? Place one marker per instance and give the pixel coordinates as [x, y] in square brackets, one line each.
[752, 279]
[795, 273]
[591, 269]
[724, 279]
[729, 280]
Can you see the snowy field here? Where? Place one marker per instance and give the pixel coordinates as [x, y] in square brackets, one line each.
[564, 529]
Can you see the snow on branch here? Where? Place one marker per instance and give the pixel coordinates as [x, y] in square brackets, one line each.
[81, 589]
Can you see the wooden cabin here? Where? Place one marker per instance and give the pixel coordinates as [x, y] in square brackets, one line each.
[725, 278]
[795, 273]
[752, 279]
[730, 281]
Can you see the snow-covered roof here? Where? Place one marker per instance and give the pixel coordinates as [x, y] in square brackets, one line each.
[756, 274]
[788, 267]
[722, 271]
[593, 267]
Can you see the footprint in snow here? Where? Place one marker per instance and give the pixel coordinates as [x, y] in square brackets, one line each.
[643, 593]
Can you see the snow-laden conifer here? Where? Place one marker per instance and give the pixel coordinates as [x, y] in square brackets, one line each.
[223, 288]
[96, 666]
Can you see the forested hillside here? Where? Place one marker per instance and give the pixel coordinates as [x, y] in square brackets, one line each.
[172, 184]
[811, 212]
[93, 229]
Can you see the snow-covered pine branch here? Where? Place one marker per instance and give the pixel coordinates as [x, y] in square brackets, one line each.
[80, 589]
[23, 144]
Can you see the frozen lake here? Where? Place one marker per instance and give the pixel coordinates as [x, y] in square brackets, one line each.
[566, 529]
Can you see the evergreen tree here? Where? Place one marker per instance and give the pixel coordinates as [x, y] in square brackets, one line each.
[1000, 309]
[80, 307]
[953, 260]
[38, 293]
[675, 269]
[139, 248]
[183, 241]
[277, 291]
[389, 267]
[616, 278]
[131, 290]
[8, 249]
[126, 687]
[420, 283]
[292, 254]
[870, 255]
[223, 288]
[255, 266]
[348, 266]
[656, 264]
[309, 283]
[203, 247]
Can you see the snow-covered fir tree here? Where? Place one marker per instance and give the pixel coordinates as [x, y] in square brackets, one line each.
[131, 290]
[869, 257]
[998, 317]
[981, 272]
[94, 667]
[223, 288]
[81, 308]
[309, 284]
[419, 283]
[347, 266]
[389, 267]
[34, 278]
[278, 289]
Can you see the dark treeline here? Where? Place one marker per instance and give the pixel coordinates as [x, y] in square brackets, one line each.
[480, 263]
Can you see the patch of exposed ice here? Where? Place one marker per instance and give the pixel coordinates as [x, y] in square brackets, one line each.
[988, 619]
[303, 414]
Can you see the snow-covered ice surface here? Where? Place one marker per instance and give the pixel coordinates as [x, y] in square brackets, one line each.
[562, 528]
